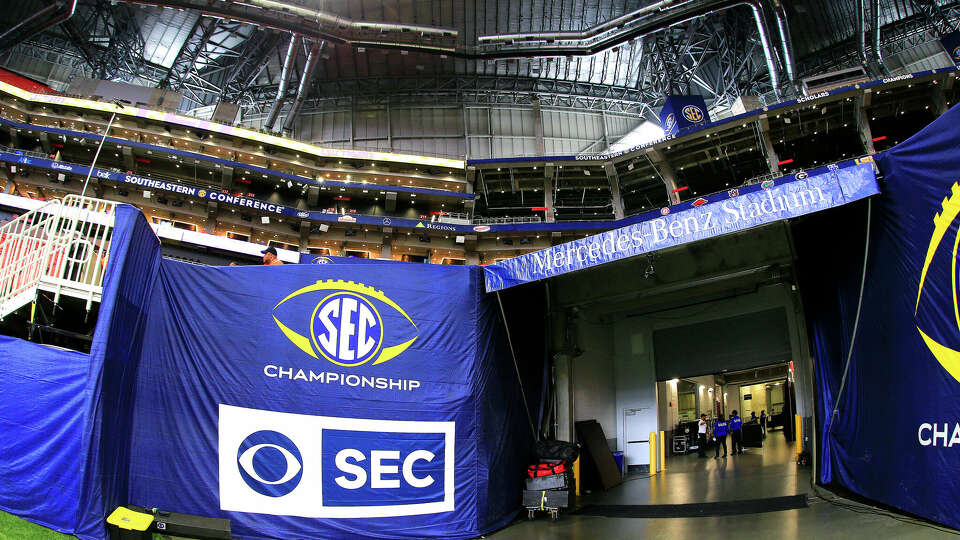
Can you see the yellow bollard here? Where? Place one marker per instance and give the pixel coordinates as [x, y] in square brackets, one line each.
[798, 435]
[653, 452]
[663, 453]
[576, 474]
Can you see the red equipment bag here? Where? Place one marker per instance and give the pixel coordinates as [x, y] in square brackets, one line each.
[546, 469]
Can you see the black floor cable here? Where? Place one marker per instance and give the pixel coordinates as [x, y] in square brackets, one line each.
[864, 509]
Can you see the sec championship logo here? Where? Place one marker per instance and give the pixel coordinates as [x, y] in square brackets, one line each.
[941, 256]
[346, 326]
[693, 113]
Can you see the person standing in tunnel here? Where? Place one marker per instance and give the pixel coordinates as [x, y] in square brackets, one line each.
[735, 433]
[720, 429]
[702, 436]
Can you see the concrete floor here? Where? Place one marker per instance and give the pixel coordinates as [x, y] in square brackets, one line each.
[760, 473]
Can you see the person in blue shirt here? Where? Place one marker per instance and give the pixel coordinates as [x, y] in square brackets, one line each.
[720, 429]
[735, 433]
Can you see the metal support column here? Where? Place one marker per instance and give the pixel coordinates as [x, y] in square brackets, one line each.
[213, 211]
[226, 178]
[666, 172]
[127, 154]
[45, 142]
[386, 247]
[863, 122]
[548, 175]
[538, 127]
[304, 237]
[937, 97]
[773, 160]
[614, 180]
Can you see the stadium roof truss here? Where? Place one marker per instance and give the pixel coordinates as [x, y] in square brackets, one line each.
[616, 55]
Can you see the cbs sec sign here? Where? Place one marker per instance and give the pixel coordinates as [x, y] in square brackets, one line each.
[288, 464]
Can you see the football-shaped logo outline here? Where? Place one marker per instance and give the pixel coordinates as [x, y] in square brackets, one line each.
[338, 286]
[950, 211]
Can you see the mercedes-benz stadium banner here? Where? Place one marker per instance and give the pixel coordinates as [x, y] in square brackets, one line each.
[895, 437]
[706, 217]
[328, 401]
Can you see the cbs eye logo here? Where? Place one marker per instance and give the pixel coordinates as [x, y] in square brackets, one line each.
[270, 463]
[345, 325]
[939, 293]
[692, 113]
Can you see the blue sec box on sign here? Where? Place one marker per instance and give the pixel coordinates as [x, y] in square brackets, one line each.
[370, 468]
[289, 464]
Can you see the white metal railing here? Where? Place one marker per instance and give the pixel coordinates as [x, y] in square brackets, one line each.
[506, 220]
[61, 247]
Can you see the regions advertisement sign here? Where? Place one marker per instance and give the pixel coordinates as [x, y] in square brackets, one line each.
[723, 213]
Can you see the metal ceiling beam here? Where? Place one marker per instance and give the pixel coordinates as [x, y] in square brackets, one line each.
[49, 16]
[187, 56]
[938, 15]
[895, 37]
[250, 63]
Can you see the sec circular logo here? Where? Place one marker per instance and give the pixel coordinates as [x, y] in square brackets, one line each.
[956, 53]
[202, 193]
[692, 113]
[270, 463]
[346, 329]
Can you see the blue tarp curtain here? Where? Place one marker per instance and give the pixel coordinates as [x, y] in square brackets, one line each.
[299, 401]
[895, 437]
[238, 392]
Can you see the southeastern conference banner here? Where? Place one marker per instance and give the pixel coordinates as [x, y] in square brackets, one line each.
[328, 401]
[895, 435]
[706, 217]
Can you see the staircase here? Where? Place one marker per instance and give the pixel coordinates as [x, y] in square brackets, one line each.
[61, 247]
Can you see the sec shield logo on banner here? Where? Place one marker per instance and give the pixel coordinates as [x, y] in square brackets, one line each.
[327, 467]
[348, 325]
[937, 290]
[693, 113]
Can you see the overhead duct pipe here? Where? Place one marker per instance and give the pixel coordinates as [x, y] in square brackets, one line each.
[350, 24]
[304, 86]
[605, 26]
[862, 32]
[768, 52]
[284, 77]
[876, 38]
[786, 43]
[35, 23]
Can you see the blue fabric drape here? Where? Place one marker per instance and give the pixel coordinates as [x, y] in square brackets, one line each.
[899, 390]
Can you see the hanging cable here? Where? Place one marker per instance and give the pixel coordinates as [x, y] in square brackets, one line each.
[856, 320]
[523, 394]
